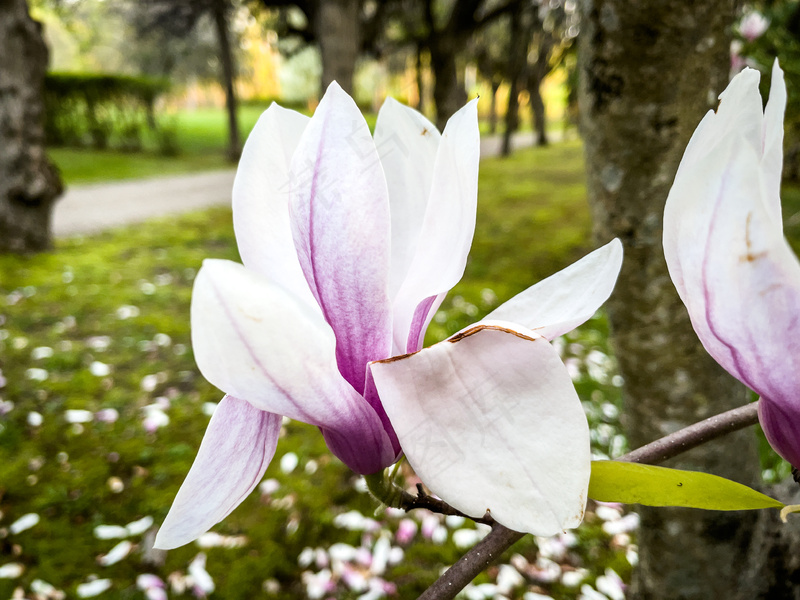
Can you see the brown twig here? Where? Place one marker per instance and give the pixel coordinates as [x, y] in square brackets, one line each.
[501, 539]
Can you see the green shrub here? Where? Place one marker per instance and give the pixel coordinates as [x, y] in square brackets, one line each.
[100, 110]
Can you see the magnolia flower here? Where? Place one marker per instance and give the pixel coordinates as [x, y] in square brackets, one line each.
[724, 245]
[349, 245]
[753, 25]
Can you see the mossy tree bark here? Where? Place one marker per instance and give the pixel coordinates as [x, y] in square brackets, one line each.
[29, 183]
[649, 71]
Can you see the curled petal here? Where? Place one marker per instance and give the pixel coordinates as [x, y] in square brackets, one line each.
[447, 229]
[490, 421]
[341, 229]
[255, 341]
[237, 448]
[261, 200]
[563, 301]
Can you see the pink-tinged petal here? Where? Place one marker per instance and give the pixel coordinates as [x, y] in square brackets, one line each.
[341, 228]
[261, 200]
[570, 297]
[449, 223]
[781, 424]
[490, 420]
[407, 143]
[253, 340]
[772, 154]
[739, 279]
[237, 448]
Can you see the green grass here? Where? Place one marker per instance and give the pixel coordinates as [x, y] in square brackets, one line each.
[201, 136]
[77, 302]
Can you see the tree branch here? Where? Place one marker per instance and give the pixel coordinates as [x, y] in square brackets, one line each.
[501, 539]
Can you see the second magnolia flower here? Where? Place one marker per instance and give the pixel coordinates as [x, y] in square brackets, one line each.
[349, 246]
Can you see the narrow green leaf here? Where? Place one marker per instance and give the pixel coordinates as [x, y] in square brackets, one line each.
[633, 483]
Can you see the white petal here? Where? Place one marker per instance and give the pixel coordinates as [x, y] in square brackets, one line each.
[447, 230]
[490, 421]
[261, 200]
[772, 156]
[565, 300]
[253, 340]
[407, 143]
[238, 445]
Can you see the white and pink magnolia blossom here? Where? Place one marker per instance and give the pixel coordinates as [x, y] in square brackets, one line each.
[349, 245]
[753, 25]
[731, 265]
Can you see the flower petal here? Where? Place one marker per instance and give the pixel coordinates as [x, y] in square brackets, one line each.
[237, 448]
[407, 143]
[772, 154]
[490, 421]
[261, 200]
[781, 424]
[738, 277]
[447, 230]
[341, 228]
[255, 341]
[563, 301]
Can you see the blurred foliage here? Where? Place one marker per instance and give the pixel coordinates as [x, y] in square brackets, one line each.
[102, 323]
[780, 40]
[101, 110]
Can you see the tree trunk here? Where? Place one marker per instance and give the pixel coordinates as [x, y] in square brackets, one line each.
[228, 75]
[448, 93]
[537, 109]
[649, 71]
[517, 60]
[338, 32]
[493, 105]
[29, 183]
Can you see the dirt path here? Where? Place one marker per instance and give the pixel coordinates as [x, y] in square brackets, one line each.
[87, 209]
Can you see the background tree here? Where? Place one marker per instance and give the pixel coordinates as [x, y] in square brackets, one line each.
[29, 183]
[649, 72]
[179, 18]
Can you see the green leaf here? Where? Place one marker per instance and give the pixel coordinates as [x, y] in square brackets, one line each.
[633, 483]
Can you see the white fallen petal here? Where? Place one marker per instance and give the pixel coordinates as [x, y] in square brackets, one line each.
[140, 526]
[11, 570]
[78, 416]
[110, 532]
[197, 570]
[93, 588]
[116, 554]
[23, 523]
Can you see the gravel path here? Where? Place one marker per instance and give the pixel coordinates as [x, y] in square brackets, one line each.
[87, 209]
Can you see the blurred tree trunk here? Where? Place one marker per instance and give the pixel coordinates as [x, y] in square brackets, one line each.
[220, 9]
[537, 71]
[519, 36]
[496, 81]
[29, 183]
[338, 32]
[649, 71]
[448, 93]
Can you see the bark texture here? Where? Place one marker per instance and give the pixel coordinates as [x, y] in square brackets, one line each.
[649, 71]
[338, 33]
[29, 183]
